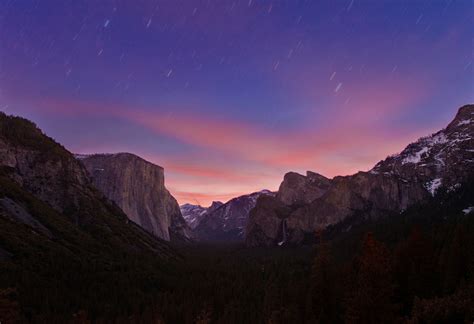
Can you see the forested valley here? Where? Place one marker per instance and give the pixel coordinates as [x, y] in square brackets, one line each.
[414, 268]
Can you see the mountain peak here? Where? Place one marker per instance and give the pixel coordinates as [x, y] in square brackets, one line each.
[466, 109]
[464, 117]
[315, 176]
[440, 161]
[216, 204]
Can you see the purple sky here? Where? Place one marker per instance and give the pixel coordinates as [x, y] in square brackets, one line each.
[229, 95]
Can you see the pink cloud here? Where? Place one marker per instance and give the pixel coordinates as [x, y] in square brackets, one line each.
[204, 199]
[347, 142]
[250, 141]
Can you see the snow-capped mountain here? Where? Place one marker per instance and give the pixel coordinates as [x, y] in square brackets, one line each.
[304, 204]
[193, 214]
[444, 158]
[228, 221]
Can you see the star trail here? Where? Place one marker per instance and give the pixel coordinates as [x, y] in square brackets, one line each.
[227, 96]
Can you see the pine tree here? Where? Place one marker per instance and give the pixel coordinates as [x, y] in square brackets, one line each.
[272, 299]
[415, 268]
[370, 299]
[455, 260]
[9, 307]
[323, 297]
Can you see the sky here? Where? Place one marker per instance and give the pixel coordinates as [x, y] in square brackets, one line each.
[228, 96]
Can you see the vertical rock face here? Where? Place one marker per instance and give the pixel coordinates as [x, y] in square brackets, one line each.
[304, 204]
[266, 221]
[138, 188]
[297, 189]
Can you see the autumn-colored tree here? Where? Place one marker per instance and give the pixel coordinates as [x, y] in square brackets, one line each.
[370, 299]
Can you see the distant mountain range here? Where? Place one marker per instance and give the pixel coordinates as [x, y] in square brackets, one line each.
[93, 230]
[222, 221]
[305, 204]
[193, 214]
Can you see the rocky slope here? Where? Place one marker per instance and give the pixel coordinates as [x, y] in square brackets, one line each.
[138, 188]
[442, 160]
[44, 188]
[64, 246]
[228, 221]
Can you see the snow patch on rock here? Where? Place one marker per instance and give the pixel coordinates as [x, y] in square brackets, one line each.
[464, 122]
[433, 185]
[81, 156]
[415, 158]
[468, 210]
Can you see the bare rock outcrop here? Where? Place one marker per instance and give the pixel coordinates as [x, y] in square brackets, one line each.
[138, 188]
[444, 159]
[297, 189]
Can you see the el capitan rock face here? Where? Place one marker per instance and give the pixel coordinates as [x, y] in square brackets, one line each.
[138, 188]
[444, 159]
[227, 222]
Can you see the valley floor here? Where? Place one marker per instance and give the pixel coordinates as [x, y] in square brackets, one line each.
[415, 268]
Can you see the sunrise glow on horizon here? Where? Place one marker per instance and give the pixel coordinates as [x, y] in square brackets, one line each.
[228, 96]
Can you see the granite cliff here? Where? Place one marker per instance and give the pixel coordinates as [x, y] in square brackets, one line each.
[441, 161]
[138, 188]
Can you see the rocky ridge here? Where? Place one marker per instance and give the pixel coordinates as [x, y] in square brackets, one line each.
[44, 187]
[193, 214]
[442, 160]
[227, 222]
